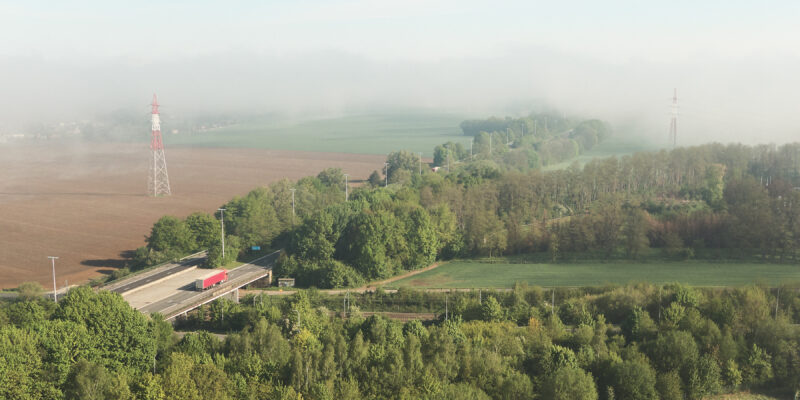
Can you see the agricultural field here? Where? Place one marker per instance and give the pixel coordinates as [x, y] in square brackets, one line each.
[476, 274]
[87, 204]
[364, 134]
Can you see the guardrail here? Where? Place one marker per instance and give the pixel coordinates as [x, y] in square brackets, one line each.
[144, 273]
[226, 288]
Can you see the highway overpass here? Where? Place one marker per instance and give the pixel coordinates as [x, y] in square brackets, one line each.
[169, 290]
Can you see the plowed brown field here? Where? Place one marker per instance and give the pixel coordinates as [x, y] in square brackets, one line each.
[88, 204]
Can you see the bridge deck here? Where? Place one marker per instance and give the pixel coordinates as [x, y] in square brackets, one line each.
[174, 296]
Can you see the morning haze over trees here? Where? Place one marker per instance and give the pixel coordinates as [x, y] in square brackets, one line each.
[472, 200]
[728, 203]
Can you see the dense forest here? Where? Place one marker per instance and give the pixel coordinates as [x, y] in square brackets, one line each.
[709, 202]
[640, 341]
[625, 343]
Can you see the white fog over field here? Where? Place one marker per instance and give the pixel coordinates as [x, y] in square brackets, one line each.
[734, 64]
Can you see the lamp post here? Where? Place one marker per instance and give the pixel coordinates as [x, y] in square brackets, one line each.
[222, 230]
[53, 261]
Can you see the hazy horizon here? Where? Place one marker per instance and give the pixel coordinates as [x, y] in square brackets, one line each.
[734, 64]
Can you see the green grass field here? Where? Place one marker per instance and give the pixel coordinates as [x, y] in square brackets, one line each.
[365, 134]
[469, 274]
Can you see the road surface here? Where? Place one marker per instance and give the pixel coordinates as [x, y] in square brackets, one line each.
[133, 283]
[184, 297]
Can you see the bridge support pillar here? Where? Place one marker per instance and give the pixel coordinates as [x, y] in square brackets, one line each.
[233, 295]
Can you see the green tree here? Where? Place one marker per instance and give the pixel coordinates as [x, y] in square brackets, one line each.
[633, 380]
[20, 364]
[252, 218]
[634, 231]
[569, 383]
[757, 367]
[491, 310]
[177, 378]
[423, 243]
[375, 179]
[401, 161]
[205, 229]
[88, 381]
[123, 335]
[332, 177]
[170, 234]
[669, 386]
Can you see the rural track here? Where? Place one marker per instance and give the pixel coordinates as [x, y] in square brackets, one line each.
[366, 288]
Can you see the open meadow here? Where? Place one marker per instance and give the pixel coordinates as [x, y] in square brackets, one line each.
[476, 274]
[364, 134]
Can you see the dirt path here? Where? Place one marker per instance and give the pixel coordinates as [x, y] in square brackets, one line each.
[370, 287]
[373, 285]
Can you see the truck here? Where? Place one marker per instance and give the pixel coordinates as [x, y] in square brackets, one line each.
[215, 277]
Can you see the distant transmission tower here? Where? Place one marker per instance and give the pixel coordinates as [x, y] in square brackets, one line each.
[673, 120]
[158, 180]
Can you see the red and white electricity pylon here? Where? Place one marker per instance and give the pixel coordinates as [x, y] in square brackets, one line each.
[158, 180]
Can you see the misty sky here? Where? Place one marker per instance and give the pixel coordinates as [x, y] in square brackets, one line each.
[735, 63]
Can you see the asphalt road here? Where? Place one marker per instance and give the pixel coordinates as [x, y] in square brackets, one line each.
[183, 265]
[187, 297]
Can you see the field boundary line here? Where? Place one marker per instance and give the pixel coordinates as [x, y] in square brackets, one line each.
[401, 276]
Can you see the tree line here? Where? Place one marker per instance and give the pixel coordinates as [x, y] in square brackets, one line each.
[712, 202]
[618, 342]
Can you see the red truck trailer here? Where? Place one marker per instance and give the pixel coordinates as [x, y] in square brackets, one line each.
[212, 278]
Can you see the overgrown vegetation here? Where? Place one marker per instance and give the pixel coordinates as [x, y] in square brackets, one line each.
[620, 342]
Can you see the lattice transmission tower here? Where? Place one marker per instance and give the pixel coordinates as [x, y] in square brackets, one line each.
[158, 179]
[673, 120]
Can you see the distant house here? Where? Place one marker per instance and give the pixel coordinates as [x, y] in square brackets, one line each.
[285, 282]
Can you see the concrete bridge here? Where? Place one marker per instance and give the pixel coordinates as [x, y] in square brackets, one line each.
[169, 290]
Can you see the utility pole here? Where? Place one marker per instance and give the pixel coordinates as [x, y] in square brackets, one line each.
[346, 194]
[158, 179]
[222, 230]
[673, 120]
[386, 170]
[292, 190]
[420, 163]
[53, 261]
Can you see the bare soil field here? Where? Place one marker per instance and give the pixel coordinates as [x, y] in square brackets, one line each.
[88, 205]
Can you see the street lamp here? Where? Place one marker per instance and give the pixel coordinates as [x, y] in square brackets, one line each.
[345, 187]
[222, 230]
[53, 261]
